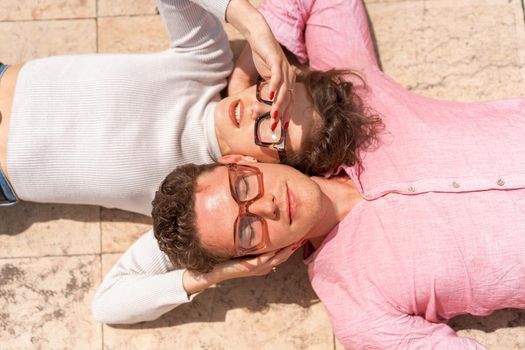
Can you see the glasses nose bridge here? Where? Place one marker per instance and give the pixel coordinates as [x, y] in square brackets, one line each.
[263, 206]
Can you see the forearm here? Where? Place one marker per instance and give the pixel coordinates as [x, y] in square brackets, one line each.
[246, 19]
[138, 298]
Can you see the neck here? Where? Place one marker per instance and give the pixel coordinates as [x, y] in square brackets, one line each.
[339, 197]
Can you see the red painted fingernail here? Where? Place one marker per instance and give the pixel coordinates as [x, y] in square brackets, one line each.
[274, 125]
[275, 114]
[286, 125]
[294, 248]
[272, 94]
[303, 242]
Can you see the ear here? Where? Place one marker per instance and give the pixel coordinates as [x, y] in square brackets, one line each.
[236, 158]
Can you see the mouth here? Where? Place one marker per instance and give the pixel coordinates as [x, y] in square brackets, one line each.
[235, 112]
[290, 201]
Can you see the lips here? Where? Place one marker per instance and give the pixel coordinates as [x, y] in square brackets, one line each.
[235, 112]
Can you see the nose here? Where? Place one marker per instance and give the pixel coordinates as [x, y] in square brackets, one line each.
[265, 207]
[258, 108]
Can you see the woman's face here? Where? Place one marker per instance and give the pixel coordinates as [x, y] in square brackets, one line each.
[235, 117]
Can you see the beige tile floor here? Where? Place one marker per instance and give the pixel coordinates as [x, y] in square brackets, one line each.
[52, 257]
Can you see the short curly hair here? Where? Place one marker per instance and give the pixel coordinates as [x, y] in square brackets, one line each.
[345, 125]
[174, 220]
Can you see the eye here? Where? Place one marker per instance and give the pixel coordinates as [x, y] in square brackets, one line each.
[247, 236]
[242, 187]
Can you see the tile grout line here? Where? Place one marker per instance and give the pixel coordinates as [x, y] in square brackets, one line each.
[77, 18]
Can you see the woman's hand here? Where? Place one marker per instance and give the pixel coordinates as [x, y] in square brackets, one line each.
[237, 268]
[268, 57]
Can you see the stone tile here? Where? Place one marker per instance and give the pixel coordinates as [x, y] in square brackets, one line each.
[45, 303]
[132, 34]
[17, 10]
[503, 330]
[28, 40]
[467, 50]
[30, 229]
[278, 312]
[126, 7]
[121, 228]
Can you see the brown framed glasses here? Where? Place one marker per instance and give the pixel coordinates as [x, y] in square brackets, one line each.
[263, 134]
[250, 231]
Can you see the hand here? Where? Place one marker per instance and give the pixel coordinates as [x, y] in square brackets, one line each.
[268, 57]
[236, 268]
[258, 266]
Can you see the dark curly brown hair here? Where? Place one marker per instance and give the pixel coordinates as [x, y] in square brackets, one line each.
[174, 220]
[345, 127]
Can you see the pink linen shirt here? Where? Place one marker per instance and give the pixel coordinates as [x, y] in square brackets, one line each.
[440, 232]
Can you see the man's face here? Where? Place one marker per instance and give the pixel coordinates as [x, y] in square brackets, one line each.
[235, 117]
[291, 206]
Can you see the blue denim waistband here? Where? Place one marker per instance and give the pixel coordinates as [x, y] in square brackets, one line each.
[3, 68]
[7, 194]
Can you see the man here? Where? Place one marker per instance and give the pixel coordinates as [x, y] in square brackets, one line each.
[389, 271]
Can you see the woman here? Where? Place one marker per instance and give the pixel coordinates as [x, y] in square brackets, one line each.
[105, 129]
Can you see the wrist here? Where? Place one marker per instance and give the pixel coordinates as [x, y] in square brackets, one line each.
[194, 282]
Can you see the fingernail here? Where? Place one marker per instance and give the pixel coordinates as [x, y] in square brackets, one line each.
[272, 94]
[303, 242]
[286, 125]
[274, 125]
[294, 248]
[275, 114]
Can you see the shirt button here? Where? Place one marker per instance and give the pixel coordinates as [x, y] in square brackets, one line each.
[500, 182]
[411, 189]
[455, 184]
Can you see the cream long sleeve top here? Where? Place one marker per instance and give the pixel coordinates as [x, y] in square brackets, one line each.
[143, 284]
[106, 129]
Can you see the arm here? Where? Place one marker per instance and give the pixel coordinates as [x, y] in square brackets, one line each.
[329, 34]
[192, 26]
[143, 284]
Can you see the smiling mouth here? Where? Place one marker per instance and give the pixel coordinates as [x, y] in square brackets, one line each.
[235, 112]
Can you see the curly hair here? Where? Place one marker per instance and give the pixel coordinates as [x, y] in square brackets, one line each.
[345, 127]
[174, 220]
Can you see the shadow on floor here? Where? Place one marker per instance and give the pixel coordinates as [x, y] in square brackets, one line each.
[289, 285]
[505, 318]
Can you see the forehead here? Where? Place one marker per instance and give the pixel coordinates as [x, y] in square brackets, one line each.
[215, 210]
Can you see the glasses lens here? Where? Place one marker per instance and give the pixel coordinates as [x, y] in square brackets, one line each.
[249, 233]
[264, 91]
[245, 185]
[265, 133]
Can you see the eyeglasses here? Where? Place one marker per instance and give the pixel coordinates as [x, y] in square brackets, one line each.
[263, 134]
[250, 231]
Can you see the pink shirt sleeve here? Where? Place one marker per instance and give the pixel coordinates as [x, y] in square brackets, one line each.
[327, 33]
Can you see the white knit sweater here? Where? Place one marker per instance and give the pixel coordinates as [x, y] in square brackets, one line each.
[106, 129]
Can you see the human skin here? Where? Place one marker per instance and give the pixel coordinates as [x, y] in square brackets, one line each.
[239, 139]
[296, 207]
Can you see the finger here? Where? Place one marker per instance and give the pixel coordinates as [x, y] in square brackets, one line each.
[276, 78]
[285, 96]
[260, 260]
